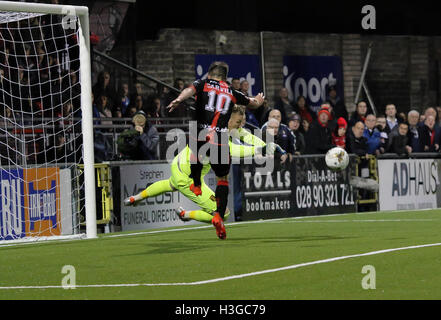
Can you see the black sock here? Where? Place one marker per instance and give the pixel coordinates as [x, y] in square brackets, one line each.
[196, 170]
[222, 197]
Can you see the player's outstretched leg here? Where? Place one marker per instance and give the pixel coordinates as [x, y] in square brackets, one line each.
[198, 215]
[152, 190]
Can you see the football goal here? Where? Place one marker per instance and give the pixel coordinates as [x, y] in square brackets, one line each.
[46, 128]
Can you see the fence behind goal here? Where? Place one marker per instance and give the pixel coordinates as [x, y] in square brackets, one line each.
[45, 121]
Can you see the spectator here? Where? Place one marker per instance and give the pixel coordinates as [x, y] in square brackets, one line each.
[339, 133]
[402, 117]
[244, 88]
[273, 129]
[381, 126]
[57, 152]
[398, 141]
[139, 143]
[104, 87]
[294, 126]
[319, 137]
[284, 105]
[138, 90]
[181, 110]
[372, 135]
[153, 111]
[162, 92]
[123, 100]
[337, 104]
[139, 103]
[274, 113]
[285, 136]
[104, 109]
[431, 111]
[391, 119]
[304, 110]
[332, 123]
[235, 83]
[413, 136]
[305, 129]
[427, 135]
[359, 114]
[357, 143]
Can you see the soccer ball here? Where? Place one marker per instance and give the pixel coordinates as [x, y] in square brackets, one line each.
[337, 159]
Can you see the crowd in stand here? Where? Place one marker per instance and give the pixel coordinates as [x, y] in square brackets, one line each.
[361, 132]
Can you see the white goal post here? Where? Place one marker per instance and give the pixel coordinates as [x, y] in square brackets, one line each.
[87, 131]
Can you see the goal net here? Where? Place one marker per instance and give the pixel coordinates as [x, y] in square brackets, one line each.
[45, 123]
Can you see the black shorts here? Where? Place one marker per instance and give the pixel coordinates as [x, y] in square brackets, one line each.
[218, 156]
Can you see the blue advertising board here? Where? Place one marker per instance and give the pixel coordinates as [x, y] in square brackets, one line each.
[311, 76]
[12, 208]
[243, 67]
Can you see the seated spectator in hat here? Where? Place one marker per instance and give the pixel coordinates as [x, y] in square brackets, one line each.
[294, 125]
[427, 133]
[337, 103]
[413, 134]
[359, 114]
[398, 142]
[357, 143]
[332, 123]
[373, 135]
[303, 110]
[319, 137]
[339, 133]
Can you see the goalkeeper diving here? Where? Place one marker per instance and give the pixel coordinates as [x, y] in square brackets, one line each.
[181, 181]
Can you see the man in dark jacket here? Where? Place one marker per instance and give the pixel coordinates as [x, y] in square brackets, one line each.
[319, 138]
[357, 143]
[287, 140]
[139, 143]
[398, 142]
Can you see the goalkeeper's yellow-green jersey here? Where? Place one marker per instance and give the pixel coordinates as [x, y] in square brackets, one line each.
[182, 160]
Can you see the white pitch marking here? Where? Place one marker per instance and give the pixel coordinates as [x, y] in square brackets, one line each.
[289, 219]
[239, 276]
[345, 220]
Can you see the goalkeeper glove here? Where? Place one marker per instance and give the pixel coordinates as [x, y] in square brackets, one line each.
[270, 148]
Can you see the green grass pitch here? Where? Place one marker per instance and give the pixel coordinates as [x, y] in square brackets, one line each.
[195, 254]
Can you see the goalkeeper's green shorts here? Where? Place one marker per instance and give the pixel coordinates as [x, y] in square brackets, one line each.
[182, 182]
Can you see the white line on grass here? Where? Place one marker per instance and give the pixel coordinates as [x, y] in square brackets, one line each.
[357, 220]
[279, 220]
[239, 276]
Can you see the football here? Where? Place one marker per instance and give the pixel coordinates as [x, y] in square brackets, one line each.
[337, 159]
